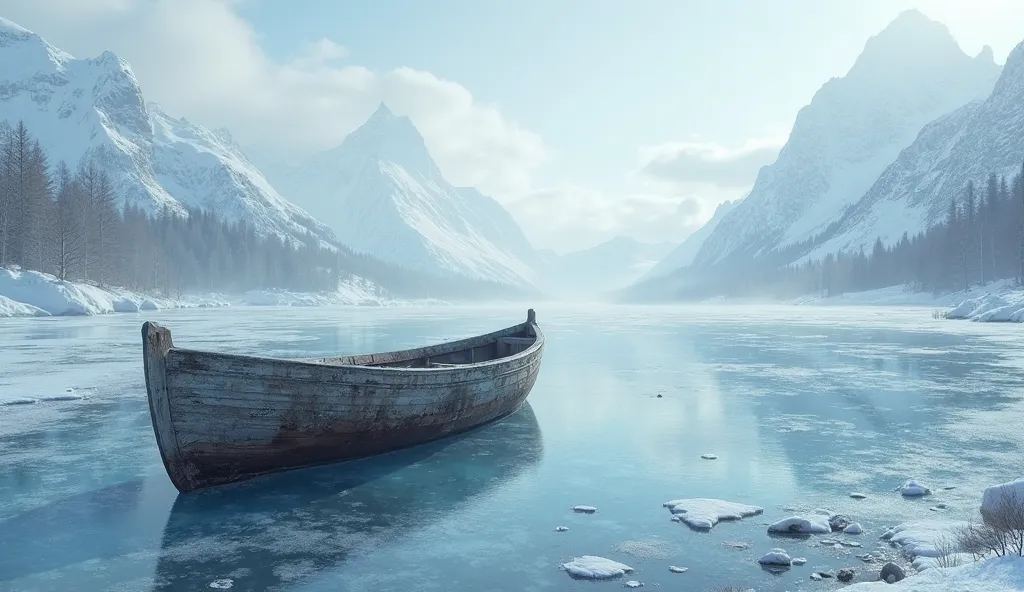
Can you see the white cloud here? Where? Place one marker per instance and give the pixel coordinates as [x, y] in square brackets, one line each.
[200, 59]
[702, 162]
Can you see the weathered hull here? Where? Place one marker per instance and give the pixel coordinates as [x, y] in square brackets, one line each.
[221, 418]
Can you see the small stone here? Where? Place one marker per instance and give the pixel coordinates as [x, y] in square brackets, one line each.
[708, 456]
[891, 571]
[633, 584]
[839, 522]
[858, 496]
[816, 577]
[674, 569]
[222, 584]
[584, 509]
[827, 574]
[867, 558]
[561, 528]
[846, 574]
[659, 395]
[853, 528]
[799, 561]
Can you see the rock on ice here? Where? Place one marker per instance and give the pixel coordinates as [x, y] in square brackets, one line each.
[854, 528]
[674, 569]
[813, 524]
[776, 557]
[584, 509]
[709, 456]
[633, 584]
[591, 567]
[858, 496]
[561, 528]
[705, 513]
[914, 489]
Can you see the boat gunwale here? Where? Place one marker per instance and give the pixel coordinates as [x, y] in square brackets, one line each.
[310, 362]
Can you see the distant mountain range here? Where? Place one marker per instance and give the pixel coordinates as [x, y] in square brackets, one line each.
[877, 153]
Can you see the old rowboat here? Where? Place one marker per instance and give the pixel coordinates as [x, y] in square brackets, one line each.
[220, 418]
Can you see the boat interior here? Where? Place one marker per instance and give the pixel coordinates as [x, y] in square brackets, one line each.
[483, 348]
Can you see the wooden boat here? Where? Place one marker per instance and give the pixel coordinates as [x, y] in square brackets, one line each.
[220, 418]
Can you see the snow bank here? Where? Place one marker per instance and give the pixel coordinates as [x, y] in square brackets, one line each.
[705, 513]
[813, 524]
[924, 538]
[1012, 492]
[32, 293]
[11, 308]
[591, 567]
[1000, 574]
[1004, 304]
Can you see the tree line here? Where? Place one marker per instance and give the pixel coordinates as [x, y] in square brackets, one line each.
[980, 240]
[67, 222]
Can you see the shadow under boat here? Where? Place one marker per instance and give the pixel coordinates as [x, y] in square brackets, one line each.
[280, 528]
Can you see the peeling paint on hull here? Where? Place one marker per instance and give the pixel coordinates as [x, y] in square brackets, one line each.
[220, 418]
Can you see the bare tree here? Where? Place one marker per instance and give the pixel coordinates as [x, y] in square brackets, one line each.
[1001, 531]
[67, 232]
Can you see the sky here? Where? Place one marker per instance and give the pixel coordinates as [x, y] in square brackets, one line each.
[587, 119]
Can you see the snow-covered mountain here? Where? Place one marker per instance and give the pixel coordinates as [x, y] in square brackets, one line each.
[383, 195]
[854, 127]
[94, 108]
[915, 191]
[607, 267]
[683, 255]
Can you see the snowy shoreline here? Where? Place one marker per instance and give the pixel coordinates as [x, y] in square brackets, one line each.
[25, 293]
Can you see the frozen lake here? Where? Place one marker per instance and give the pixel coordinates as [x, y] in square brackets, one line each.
[801, 405]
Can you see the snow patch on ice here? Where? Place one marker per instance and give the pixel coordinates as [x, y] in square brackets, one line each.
[705, 513]
[592, 567]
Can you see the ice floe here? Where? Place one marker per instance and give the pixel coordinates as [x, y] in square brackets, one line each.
[705, 513]
[592, 567]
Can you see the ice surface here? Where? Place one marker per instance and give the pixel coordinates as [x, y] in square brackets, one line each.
[776, 557]
[812, 524]
[1000, 574]
[914, 489]
[591, 567]
[705, 513]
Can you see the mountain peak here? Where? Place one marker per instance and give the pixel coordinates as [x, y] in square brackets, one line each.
[382, 113]
[911, 41]
[388, 137]
[986, 55]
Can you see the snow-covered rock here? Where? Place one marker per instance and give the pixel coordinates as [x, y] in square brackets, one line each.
[592, 567]
[914, 489]
[854, 127]
[677, 569]
[95, 108]
[383, 195]
[584, 509]
[37, 291]
[1002, 305]
[982, 137]
[1000, 574]
[776, 557]
[996, 496]
[705, 513]
[811, 524]
[854, 528]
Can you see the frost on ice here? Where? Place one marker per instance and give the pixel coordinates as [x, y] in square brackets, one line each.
[812, 524]
[705, 513]
[776, 557]
[591, 567]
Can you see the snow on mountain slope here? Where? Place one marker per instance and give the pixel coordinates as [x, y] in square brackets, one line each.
[683, 255]
[915, 191]
[94, 108]
[383, 195]
[854, 127]
[609, 266]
